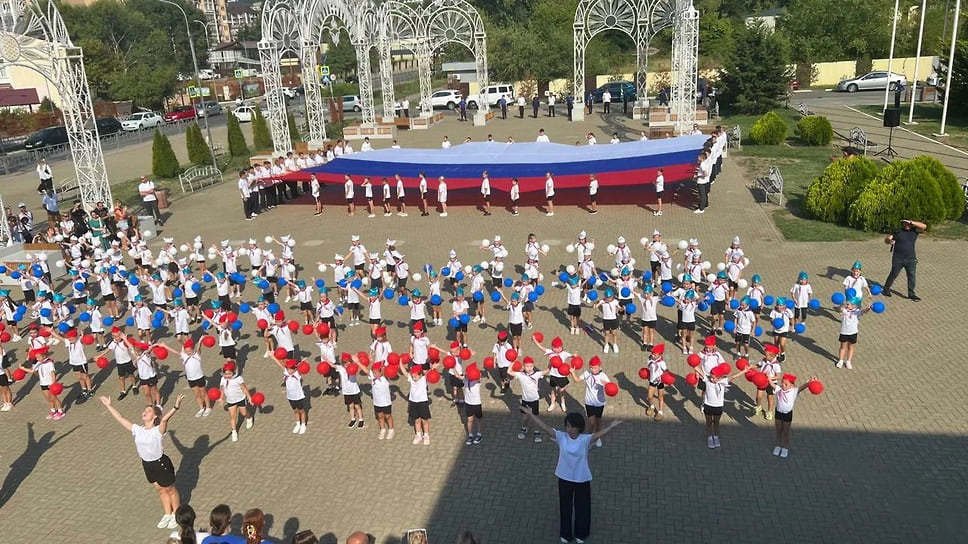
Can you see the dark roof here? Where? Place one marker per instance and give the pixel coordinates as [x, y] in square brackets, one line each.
[18, 97]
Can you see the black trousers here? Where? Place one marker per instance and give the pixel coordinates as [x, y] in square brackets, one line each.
[570, 108]
[247, 207]
[910, 267]
[151, 207]
[535, 111]
[606, 106]
[521, 112]
[551, 111]
[575, 496]
[46, 185]
[255, 202]
[703, 195]
[504, 111]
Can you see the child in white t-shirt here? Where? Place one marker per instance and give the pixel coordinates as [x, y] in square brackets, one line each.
[801, 293]
[292, 381]
[656, 366]
[594, 380]
[382, 399]
[235, 394]
[786, 395]
[850, 313]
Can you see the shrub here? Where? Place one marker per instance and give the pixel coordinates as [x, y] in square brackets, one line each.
[261, 137]
[951, 192]
[769, 129]
[293, 129]
[904, 189]
[198, 151]
[829, 196]
[814, 130]
[164, 163]
[237, 145]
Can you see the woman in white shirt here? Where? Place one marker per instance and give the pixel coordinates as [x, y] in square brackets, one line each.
[574, 474]
[158, 468]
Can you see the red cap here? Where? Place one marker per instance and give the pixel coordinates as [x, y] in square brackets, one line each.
[790, 378]
[415, 369]
[556, 342]
[501, 335]
[33, 326]
[71, 333]
[115, 330]
[770, 348]
[528, 360]
[380, 331]
[710, 341]
[291, 363]
[229, 366]
[279, 316]
[189, 343]
[658, 349]
[418, 326]
[455, 345]
[595, 361]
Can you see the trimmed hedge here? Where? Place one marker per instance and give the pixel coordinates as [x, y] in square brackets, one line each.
[814, 130]
[261, 138]
[769, 129]
[829, 197]
[164, 163]
[903, 189]
[951, 192]
[237, 145]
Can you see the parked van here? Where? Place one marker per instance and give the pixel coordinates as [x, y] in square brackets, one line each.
[46, 137]
[493, 94]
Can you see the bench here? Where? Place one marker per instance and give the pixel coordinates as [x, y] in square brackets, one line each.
[198, 177]
[734, 138]
[770, 184]
[802, 110]
[859, 139]
[964, 187]
[66, 188]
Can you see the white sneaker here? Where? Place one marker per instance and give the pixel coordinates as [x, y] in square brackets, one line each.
[200, 413]
[302, 428]
[295, 428]
[371, 215]
[784, 453]
[442, 215]
[476, 319]
[383, 434]
[426, 440]
[550, 214]
[848, 365]
[777, 450]
[716, 441]
[391, 432]
[483, 320]
[163, 524]
[551, 408]
[606, 348]
[598, 443]
[248, 423]
[235, 436]
[6, 407]
[709, 443]
[417, 438]
[207, 412]
[615, 348]
[288, 299]
[172, 523]
[265, 355]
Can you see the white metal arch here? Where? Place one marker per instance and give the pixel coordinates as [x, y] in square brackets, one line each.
[280, 34]
[400, 27]
[38, 40]
[457, 21]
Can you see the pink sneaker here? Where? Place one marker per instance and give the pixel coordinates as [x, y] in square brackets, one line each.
[50, 415]
[58, 415]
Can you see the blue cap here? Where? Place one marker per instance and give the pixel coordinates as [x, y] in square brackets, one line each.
[220, 275]
[460, 291]
[745, 300]
[648, 288]
[855, 301]
[91, 302]
[801, 276]
[626, 271]
[687, 277]
[515, 296]
[58, 297]
[261, 299]
[301, 283]
[177, 302]
[477, 268]
[756, 278]
[690, 294]
[417, 293]
[373, 292]
[609, 293]
[137, 298]
[780, 301]
[433, 274]
[856, 265]
[721, 275]
[216, 304]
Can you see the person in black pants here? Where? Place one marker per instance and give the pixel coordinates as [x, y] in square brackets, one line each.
[535, 106]
[903, 256]
[574, 475]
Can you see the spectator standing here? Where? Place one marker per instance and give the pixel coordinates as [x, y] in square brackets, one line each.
[551, 104]
[606, 101]
[521, 104]
[503, 103]
[25, 223]
[463, 108]
[46, 176]
[903, 256]
[51, 207]
[590, 100]
[535, 105]
[148, 198]
[703, 170]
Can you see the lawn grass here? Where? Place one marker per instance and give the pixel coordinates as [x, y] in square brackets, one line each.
[127, 191]
[928, 117]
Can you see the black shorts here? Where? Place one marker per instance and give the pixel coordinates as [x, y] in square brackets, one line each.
[650, 324]
[355, 398]
[732, 285]
[349, 200]
[418, 410]
[532, 404]
[150, 382]
[691, 326]
[718, 307]
[593, 198]
[331, 321]
[273, 280]
[306, 306]
[658, 194]
[558, 381]
[160, 471]
[800, 314]
[353, 305]
[375, 321]
[45, 388]
[240, 404]
[461, 327]
[298, 404]
[658, 385]
[610, 324]
[359, 266]
[4, 380]
[849, 338]
[125, 369]
[516, 328]
[743, 339]
[784, 416]
[497, 283]
[594, 411]
[574, 310]
[712, 410]
[514, 202]
[377, 410]
[108, 298]
[159, 306]
[376, 283]
[474, 410]
[454, 381]
[781, 334]
[29, 296]
[82, 369]
[227, 352]
[402, 282]
[528, 307]
[197, 383]
[502, 371]
[550, 198]
[487, 198]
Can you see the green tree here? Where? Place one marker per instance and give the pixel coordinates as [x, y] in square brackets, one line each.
[829, 196]
[757, 72]
[901, 189]
[293, 129]
[164, 163]
[237, 145]
[829, 30]
[198, 150]
[261, 137]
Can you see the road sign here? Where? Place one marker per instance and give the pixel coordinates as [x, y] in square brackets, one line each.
[238, 73]
[325, 80]
[324, 70]
[192, 91]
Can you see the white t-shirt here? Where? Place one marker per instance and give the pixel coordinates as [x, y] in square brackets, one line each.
[609, 309]
[442, 192]
[233, 387]
[785, 315]
[294, 388]
[656, 368]
[529, 385]
[193, 365]
[770, 368]
[594, 388]
[549, 187]
[148, 442]
[121, 353]
[542, 139]
[486, 187]
[649, 305]
[715, 393]
[499, 351]
[420, 346]
[801, 294]
[418, 388]
[857, 284]
[848, 320]
[472, 391]
[145, 367]
[380, 388]
[348, 189]
[785, 399]
[659, 183]
[593, 187]
[744, 321]
[380, 350]
[147, 186]
[348, 383]
[573, 457]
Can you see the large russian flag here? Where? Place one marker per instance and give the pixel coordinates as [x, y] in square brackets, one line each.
[623, 170]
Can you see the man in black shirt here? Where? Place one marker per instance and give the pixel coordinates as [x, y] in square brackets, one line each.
[902, 242]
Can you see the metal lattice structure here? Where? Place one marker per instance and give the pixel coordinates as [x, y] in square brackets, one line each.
[280, 35]
[685, 65]
[36, 38]
[640, 20]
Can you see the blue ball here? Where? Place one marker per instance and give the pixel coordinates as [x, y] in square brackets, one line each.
[436, 300]
[877, 307]
[592, 281]
[837, 298]
[129, 322]
[155, 323]
[453, 322]
[206, 325]
[3, 269]
[814, 304]
[79, 286]
[532, 297]
[113, 269]
[273, 308]
[403, 300]
[729, 326]
[124, 273]
[342, 283]
[478, 296]
[245, 308]
[647, 275]
[464, 319]
[508, 282]
[668, 301]
[388, 293]
[15, 275]
[754, 304]
[264, 285]
[22, 309]
[459, 276]
[281, 282]
[320, 284]
[196, 288]
[540, 290]
[133, 280]
[357, 283]
[593, 295]
[339, 310]
[625, 292]
[703, 306]
[63, 328]
[850, 293]
[495, 296]
[758, 331]
[630, 309]
[84, 317]
[563, 277]
[666, 287]
[207, 277]
[876, 289]
[800, 328]
[445, 271]
[71, 308]
[733, 304]
[768, 300]
[37, 272]
[177, 293]
[777, 323]
[236, 325]
[108, 321]
[45, 312]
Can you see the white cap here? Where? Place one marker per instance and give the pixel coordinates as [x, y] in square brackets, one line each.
[168, 240]
[621, 239]
[693, 242]
[582, 234]
[656, 233]
[115, 243]
[182, 262]
[338, 257]
[225, 243]
[374, 255]
[198, 238]
[252, 241]
[355, 238]
[21, 205]
[391, 242]
[497, 237]
[736, 240]
[285, 238]
[453, 254]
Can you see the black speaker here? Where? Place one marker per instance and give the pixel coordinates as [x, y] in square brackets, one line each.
[892, 117]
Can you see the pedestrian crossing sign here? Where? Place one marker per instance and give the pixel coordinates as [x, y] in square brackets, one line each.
[238, 73]
[193, 91]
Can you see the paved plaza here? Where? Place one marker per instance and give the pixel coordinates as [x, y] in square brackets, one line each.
[878, 457]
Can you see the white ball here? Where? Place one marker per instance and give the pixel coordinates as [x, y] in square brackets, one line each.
[321, 267]
[119, 234]
[59, 263]
[132, 252]
[721, 266]
[570, 269]
[660, 247]
[679, 267]
[614, 272]
[680, 276]
[211, 254]
[243, 252]
[291, 268]
[291, 243]
[743, 284]
[468, 268]
[29, 256]
[499, 267]
[256, 273]
[485, 242]
[746, 261]
[197, 245]
[146, 234]
[611, 249]
[644, 241]
[706, 265]
[485, 265]
[86, 263]
[710, 277]
[545, 248]
[540, 277]
[366, 280]
[382, 263]
[110, 252]
[570, 248]
[683, 244]
[590, 247]
[42, 257]
[268, 239]
[631, 262]
[172, 251]
[417, 276]
[183, 248]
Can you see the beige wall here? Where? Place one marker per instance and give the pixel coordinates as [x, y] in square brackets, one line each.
[24, 78]
[830, 73]
[906, 66]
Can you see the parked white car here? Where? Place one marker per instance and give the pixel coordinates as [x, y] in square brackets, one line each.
[142, 120]
[872, 80]
[245, 114]
[493, 94]
[447, 98]
[351, 102]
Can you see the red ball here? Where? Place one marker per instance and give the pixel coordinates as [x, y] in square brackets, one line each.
[102, 362]
[450, 362]
[323, 368]
[538, 337]
[693, 360]
[742, 363]
[511, 355]
[214, 394]
[489, 362]
[611, 389]
[352, 369]
[280, 353]
[322, 329]
[393, 359]
[577, 362]
[208, 340]
[556, 362]
[405, 359]
[644, 373]
[345, 357]
[815, 387]
[161, 352]
[293, 325]
[4, 336]
[209, 313]
[465, 354]
[303, 368]
[668, 378]
[473, 374]
[517, 366]
[692, 378]
[761, 381]
[433, 354]
[258, 399]
[3, 326]
[45, 332]
[363, 358]
[19, 374]
[391, 372]
[87, 339]
[307, 329]
[433, 376]
[750, 374]
[232, 317]
[56, 388]
[262, 324]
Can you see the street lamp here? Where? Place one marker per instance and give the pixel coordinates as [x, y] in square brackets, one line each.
[208, 43]
[198, 81]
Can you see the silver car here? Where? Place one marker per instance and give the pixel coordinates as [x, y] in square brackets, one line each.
[209, 108]
[872, 80]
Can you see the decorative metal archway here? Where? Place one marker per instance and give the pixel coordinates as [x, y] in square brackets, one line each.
[280, 35]
[38, 40]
